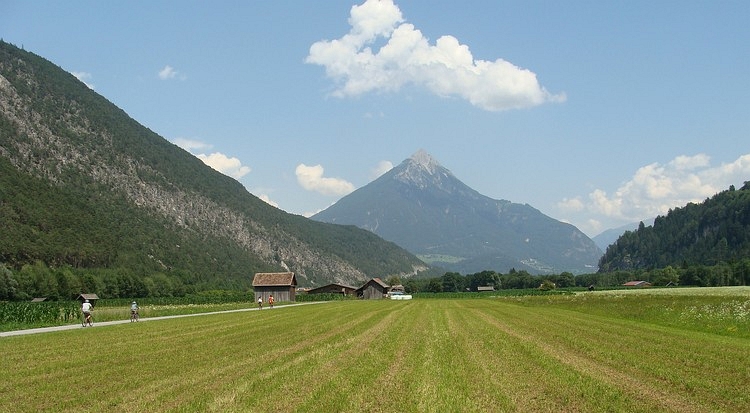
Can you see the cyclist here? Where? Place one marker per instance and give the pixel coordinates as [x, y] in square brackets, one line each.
[134, 312]
[86, 309]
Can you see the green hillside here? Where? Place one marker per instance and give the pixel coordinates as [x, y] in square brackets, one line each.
[87, 191]
[713, 232]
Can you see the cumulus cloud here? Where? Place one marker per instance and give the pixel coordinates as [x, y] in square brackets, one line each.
[656, 188]
[84, 77]
[229, 166]
[191, 145]
[170, 73]
[311, 178]
[265, 198]
[446, 68]
[381, 168]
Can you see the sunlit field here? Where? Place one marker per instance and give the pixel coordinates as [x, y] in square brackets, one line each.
[588, 352]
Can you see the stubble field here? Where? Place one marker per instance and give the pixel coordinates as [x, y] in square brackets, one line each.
[535, 354]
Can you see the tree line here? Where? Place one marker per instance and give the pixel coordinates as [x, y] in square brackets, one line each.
[708, 234]
[66, 283]
[719, 275]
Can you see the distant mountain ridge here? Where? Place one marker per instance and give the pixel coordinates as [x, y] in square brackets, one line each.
[84, 185]
[608, 237]
[421, 206]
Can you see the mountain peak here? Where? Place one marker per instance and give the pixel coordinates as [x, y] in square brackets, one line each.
[422, 207]
[422, 170]
[423, 159]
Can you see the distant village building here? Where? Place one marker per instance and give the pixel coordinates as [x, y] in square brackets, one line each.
[482, 288]
[637, 284]
[333, 289]
[282, 285]
[374, 289]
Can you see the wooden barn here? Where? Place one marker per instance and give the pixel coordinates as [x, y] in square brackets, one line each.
[282, 285]
[374, 289]
[333, 289]
[91, 297]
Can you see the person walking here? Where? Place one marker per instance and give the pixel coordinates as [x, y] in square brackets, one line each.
[270, 301]
[260, 303]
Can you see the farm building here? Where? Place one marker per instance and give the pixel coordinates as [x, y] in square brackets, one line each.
[637, 284]
[91, 297]
[333, 289]
[282, 285]
[482, 288]
[373, 290]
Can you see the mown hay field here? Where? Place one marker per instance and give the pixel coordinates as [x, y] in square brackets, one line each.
[431, 355]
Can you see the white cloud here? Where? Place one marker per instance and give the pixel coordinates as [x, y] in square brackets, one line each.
[224, 164]
[229, 166]
[654, 189]
[84, 77]
[381, 168]
[311, 178]
[446, 68]
[265, 198]
[573, 204]
[190, 144]
[170, 73]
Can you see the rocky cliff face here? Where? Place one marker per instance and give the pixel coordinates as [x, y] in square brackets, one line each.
[79, 137]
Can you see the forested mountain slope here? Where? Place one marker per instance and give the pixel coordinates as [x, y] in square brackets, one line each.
[83, 185]
[717, 230]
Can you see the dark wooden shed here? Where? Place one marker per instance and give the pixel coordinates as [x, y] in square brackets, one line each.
[333, 289]
[282, 285]
[374, 289]
[91, 297]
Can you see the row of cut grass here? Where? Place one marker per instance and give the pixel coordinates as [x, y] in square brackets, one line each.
[381, 356]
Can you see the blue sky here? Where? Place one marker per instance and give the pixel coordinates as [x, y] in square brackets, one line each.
[597, 113]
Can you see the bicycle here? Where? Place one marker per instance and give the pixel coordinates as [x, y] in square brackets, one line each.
[87, 319]
[134, 316]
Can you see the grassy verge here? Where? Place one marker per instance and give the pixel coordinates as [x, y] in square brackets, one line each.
[384, 356]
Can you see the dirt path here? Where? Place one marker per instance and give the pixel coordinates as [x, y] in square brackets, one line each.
[109, 323]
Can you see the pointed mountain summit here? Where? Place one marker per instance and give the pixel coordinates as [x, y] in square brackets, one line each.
[421, 206]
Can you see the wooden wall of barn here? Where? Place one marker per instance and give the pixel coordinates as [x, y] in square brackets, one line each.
[372, 292]
[279, 293]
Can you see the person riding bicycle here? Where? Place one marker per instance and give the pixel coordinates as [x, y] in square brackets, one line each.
[86, 310]
[134, 311]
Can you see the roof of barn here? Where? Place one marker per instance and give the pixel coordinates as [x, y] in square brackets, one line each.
[376, 281]
[330, 286]
[273, 279]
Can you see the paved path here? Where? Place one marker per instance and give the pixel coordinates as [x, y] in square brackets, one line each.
[109, 323]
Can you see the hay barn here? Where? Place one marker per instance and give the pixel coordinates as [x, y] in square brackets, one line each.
[333, 289]
[282, 285]
[91, 297]
[374, 289]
